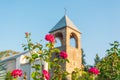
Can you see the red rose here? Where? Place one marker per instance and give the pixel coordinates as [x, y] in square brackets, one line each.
[16, 73]
[94, 70]
[46, 74]
[63, 55]
[26, 34]
[50, 38]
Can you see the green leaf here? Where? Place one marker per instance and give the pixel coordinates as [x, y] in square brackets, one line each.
[48, 45]
[37, 66]
[67, 60]
[55, 59]
[55, 50]
[33, 75]
[34, 56]
[25, 48]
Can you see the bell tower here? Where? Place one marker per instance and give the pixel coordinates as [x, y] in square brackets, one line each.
[65, 30]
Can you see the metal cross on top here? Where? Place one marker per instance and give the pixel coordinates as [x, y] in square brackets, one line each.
[65, 10]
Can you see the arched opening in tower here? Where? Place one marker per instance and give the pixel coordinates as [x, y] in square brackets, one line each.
[58, 39]
[57, 42]
[73, 40]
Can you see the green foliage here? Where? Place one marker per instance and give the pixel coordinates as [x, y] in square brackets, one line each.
[85, 76]
[97, 59]
[79, 74]
[75, 74]
[8, 76]
[83, 58]
[7, 53]
[109, 66]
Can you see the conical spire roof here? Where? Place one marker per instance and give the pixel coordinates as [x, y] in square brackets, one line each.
[64, 22]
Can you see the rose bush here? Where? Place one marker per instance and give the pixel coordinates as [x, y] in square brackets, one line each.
[42, 53]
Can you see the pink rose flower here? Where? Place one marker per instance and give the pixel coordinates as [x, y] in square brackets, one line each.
[16, 73]
[94, 70]
[63, 55]
[50, 38]
[46, 74]
[26, 34]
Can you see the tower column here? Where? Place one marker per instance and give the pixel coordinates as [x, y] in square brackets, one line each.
[65, 30]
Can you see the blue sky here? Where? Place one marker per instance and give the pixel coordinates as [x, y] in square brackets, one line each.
[98, 20]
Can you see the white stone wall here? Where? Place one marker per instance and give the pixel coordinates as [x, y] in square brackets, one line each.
[26, 68]
[11, 65]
